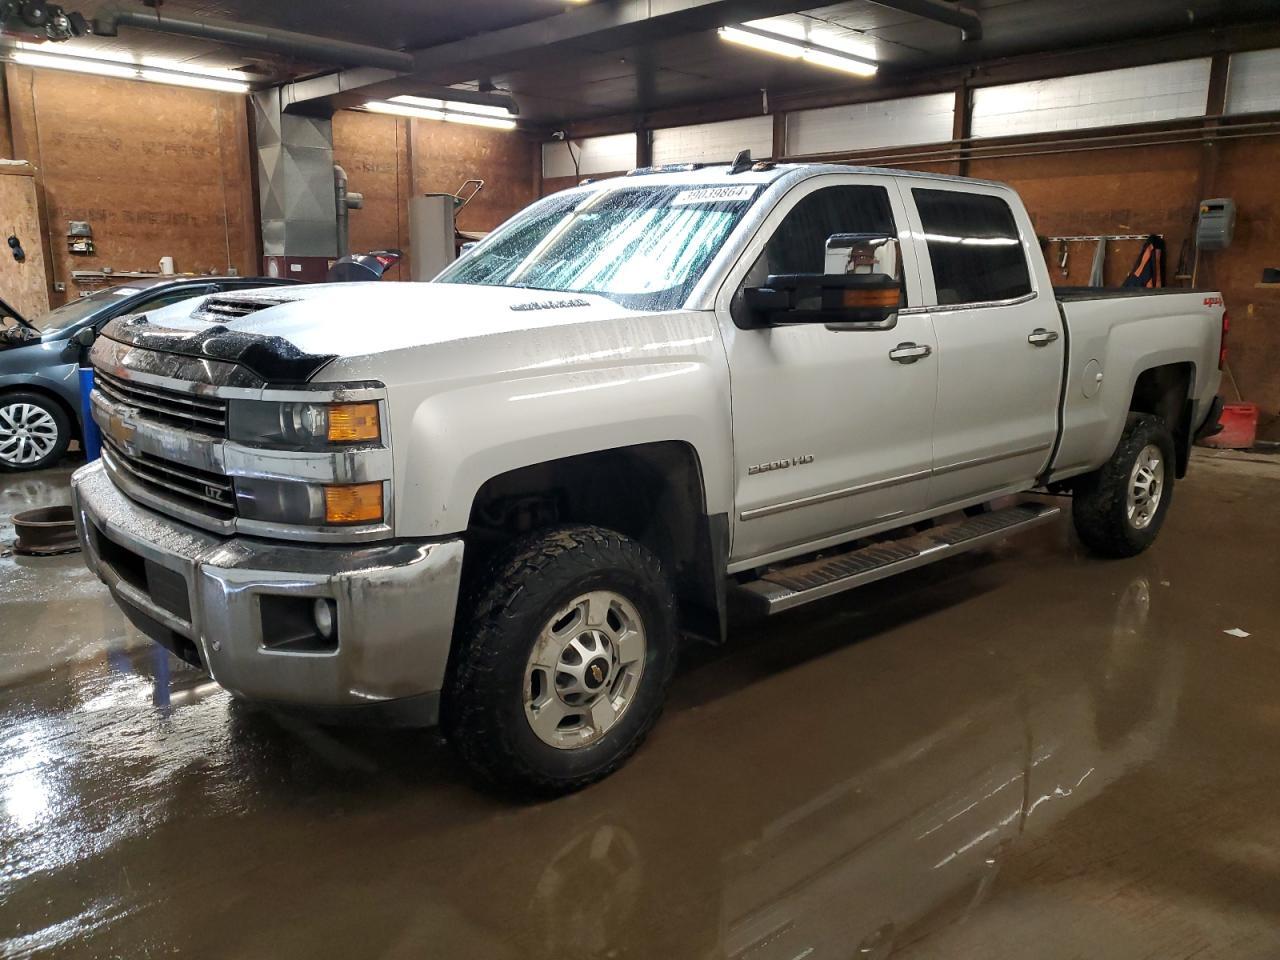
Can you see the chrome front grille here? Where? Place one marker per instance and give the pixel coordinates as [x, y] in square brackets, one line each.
[212, 494]
[201, 414]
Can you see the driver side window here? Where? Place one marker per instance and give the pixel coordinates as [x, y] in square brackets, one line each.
[799, 245]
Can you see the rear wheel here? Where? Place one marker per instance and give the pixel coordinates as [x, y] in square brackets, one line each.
[1119, 508]
[562, 665]
[34, 431]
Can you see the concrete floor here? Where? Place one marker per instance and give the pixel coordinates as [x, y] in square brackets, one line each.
[1020, 753]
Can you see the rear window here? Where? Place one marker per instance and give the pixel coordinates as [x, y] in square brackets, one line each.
[974, 247]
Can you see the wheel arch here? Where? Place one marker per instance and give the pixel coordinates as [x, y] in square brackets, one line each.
[653, 492]
[1165, 390]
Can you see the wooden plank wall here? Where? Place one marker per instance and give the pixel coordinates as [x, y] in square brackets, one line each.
[22, 285]
[156, 170]
[390, 159]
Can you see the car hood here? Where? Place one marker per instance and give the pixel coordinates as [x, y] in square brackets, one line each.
[361, 319]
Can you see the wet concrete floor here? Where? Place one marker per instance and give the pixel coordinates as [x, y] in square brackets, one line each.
[1025, 752]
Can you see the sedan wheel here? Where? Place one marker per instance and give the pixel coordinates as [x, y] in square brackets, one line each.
[33, 432]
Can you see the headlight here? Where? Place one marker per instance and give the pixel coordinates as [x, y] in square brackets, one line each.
[301, 425]
[296, 503]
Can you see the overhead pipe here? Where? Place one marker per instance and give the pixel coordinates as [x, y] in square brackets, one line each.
[301, 45]
[968, 22]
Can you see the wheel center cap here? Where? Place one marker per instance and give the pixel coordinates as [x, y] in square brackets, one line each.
[596, 674]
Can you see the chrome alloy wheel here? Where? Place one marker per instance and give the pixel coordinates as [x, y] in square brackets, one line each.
[584, 670]
[1146, 486]
[28, 433]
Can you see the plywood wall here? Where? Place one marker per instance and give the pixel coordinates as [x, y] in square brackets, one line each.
[157, 171]
[1140, 190]
[390, 159]
[22, 285]
[446, 154]
[1248, 172]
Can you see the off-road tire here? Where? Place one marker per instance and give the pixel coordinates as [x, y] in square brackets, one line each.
[60, 420]
[483, 713]
[1099, 505]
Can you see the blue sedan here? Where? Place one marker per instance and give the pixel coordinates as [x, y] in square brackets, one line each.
[39, 361]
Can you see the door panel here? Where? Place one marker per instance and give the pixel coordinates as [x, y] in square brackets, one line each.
[830, 433]
[1000, 344]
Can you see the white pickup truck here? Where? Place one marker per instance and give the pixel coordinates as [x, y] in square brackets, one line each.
[498, 500]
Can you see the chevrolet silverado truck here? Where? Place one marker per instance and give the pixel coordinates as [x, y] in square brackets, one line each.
[499, 500]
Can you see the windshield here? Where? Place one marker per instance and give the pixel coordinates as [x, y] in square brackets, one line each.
[60, 320]
[643, 247]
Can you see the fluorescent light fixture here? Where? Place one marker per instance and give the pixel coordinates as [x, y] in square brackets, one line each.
[128, 71]
[98, 67]
[484, 109]
[193, 80]
[793, 50]
[402, 107]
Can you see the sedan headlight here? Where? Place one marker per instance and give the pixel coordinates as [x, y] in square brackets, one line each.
[301, 425]
[296, 503]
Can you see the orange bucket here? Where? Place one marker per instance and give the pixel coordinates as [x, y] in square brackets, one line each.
[1239, 427]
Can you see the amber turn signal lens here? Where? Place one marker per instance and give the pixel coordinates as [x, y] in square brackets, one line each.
[353, 421]
[871, 299]
[353, 503]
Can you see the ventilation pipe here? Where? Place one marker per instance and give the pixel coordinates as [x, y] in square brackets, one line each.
[301, 45]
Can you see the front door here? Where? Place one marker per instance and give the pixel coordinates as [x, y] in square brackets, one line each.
[831, 434]
[1000, 342]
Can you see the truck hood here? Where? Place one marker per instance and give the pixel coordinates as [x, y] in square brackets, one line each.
[362, 319]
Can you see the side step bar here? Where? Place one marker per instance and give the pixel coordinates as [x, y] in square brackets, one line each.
[786, 587]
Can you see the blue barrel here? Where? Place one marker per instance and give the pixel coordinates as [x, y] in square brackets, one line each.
[92, 441]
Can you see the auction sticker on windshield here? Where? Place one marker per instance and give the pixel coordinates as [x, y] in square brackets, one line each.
[713, 195]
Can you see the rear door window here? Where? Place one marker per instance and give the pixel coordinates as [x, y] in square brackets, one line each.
[974, 247]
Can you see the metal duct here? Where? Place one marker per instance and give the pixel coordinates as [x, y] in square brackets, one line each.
[301, 45]
[296, 187]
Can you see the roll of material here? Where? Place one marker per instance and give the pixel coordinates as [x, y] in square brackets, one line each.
[166, 266]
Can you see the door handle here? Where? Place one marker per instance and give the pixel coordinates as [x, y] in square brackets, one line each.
[1040, 337]
[909, 352]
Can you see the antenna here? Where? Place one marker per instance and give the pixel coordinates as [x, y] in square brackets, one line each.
[741, 163]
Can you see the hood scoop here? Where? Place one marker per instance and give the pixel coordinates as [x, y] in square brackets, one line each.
[220, 309]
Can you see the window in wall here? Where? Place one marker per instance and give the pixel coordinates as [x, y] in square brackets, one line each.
[1253, 82]
[867, 126]
[973, 245]
[1161, 91]
[595, 155]
[713, 142]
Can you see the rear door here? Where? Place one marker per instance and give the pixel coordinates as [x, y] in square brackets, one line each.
[831, 434]
[1000, 339]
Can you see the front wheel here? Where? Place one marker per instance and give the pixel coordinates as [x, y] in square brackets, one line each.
[562, 665]
[1119, 508]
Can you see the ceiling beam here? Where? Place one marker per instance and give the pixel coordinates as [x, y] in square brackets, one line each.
[611, 25]
[968, 22]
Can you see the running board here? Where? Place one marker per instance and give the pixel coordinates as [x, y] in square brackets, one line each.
[786, 587]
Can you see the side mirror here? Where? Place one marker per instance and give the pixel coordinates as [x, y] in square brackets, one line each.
[85, 336]
[861, 288]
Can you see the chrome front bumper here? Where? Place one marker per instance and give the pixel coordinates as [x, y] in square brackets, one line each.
[202, 596]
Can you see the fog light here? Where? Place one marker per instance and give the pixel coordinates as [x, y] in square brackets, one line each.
[326, 617]
[353, 503]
